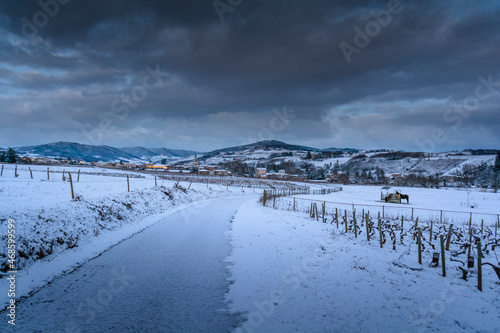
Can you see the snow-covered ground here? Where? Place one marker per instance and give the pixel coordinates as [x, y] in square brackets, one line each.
[55, 234]
[426, 203]
[288, 272]
[292, 274]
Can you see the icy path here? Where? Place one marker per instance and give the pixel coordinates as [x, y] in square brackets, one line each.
[169, 278]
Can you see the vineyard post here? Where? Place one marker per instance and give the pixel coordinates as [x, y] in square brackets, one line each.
[324, 212]
[63, 177]
[355, 224]
[31, 173]
[71, 184]
[48, 173]
[430, 235]
[497, 224]
[316, 211]
[443, 264]
[419, 246]
[448, 239]
[293, 204]
[337, 217]
[479, 267]
[156, 184]
[78, 178]
[441, 217]
[128, 184]
[367, 228]
[1, 173]
[380, 232]
[416, 226]
[402, 222]
[363, 216]
[345, 220]
[412, 213]
[470, 235]
[383, 212]
[15, 172]
[482, 224]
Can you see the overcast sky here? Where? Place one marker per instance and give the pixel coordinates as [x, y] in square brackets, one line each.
[201, 75]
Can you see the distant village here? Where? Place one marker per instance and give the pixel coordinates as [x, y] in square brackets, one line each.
[358, 170]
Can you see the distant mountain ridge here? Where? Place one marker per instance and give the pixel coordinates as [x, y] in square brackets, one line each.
[91, 153]
[83, 152]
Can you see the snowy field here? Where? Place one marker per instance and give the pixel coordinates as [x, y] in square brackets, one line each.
[292, 274]
[288, 272]
[426, 203]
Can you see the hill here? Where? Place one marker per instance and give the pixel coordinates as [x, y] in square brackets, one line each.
[262, 145]
[90, 153]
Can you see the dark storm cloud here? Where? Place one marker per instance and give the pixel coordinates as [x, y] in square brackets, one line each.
[227, 76]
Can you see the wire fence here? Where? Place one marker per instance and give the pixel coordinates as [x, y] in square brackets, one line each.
[441, 216]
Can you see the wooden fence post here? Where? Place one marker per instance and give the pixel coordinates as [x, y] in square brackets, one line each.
[128, 184]
[15, 172]
[470, 236]
[402, 222]
[380, 232]
[497, 224]
[293, 204]
[441, 217]
[416, 226]
[337, 216]
[479, 267]
[345, 220]
[324, 212]
[482, 224]
[412, 213]
[48, 173]
[443, 264]
[78, 178]
[1, 173]
[383, 211]
[419, 246]
[31, 173]
[71, 184]
[367, 228]
[448, 239]
[355, 224]
[430, 235]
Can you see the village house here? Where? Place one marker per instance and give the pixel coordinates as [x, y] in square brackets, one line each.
[261, 173]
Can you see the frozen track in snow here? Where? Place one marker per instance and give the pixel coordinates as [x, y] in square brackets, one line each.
[169, 278]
